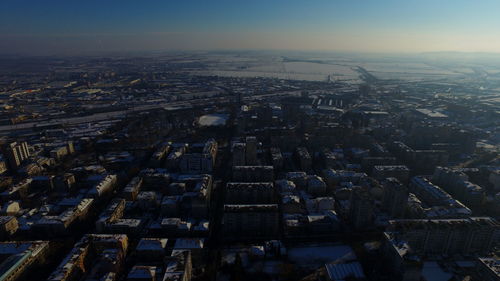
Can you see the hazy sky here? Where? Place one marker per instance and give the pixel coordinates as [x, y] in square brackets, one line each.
[89, 26]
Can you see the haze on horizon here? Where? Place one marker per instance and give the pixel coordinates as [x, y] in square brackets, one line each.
[62, 27]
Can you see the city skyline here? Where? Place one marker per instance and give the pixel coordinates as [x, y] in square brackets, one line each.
[224, 140]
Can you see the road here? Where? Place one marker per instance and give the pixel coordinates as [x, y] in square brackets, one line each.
[121, 113]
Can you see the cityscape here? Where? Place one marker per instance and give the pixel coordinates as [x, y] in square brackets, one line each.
[249, 164]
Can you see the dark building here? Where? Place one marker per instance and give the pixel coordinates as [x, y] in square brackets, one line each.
[361, 210]
[395, 198]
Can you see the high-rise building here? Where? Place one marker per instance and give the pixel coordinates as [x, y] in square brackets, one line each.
[88, 258]
[276, 158]
[16, 153]
[304, 158]
[8, 226]
[395, 197]
[239, 154]
[23, 258]
[253, 173]
[251, 150]
[250, 193]
[3, 164]
[200, 162]
[243, 221]
[432, 195]
[400, 172]
[488, 269]
[475, 235]
[361, 210]
[457, 184]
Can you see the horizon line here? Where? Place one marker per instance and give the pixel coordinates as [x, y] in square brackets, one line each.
[242, 50]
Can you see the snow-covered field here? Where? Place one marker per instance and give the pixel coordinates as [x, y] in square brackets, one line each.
[213, 120]
[341, 68]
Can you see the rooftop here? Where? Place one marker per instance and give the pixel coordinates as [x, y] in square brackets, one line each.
[344, 271]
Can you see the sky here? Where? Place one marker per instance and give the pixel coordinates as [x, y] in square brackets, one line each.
[80, 27]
